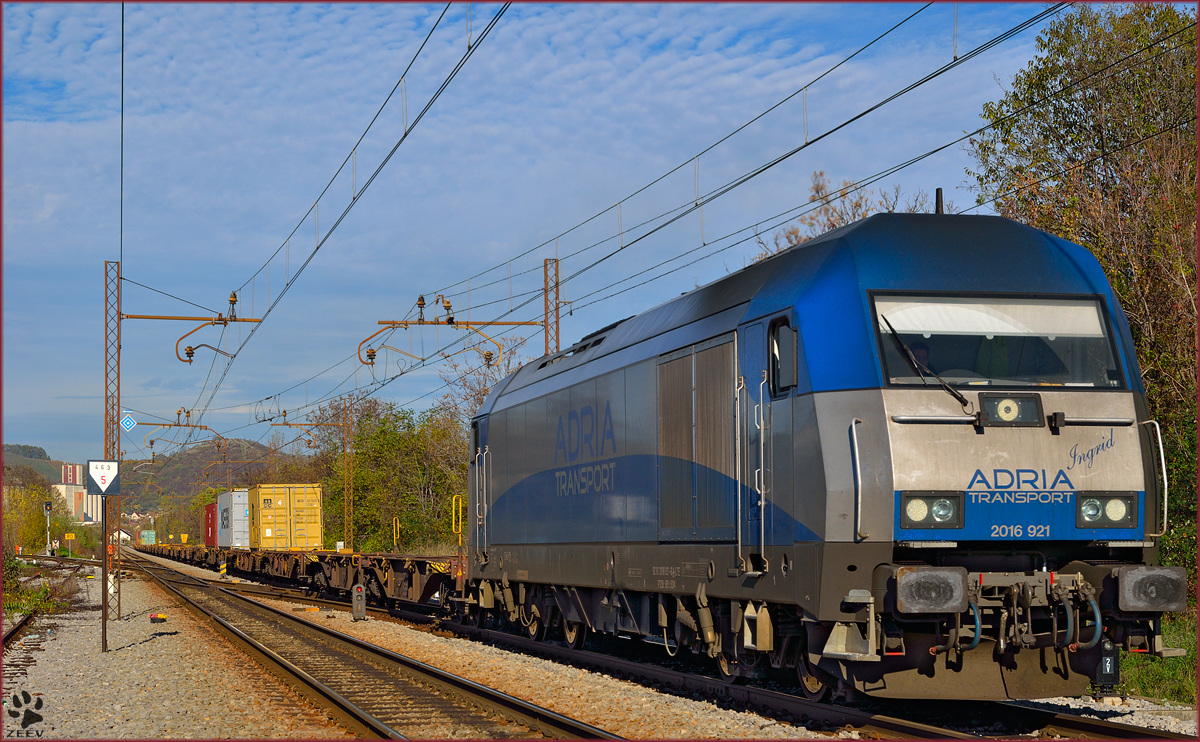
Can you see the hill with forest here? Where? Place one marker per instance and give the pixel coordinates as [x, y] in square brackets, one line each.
[36, 458]
[191, 470]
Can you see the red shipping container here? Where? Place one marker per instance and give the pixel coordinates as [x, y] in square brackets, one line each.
[210, 525]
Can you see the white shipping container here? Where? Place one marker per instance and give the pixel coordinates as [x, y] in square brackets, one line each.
[233, 519]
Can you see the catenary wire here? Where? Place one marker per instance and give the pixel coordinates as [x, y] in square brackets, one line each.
[453, 73]
[709, 197]
[863, 183]
[691, 207]
[352, 149]
[171, 296]
[867, 182]
[872, 179]
[686, 162]
[328, 185]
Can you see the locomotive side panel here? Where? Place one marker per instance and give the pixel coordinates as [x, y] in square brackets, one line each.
[858, 492]
[641, 444]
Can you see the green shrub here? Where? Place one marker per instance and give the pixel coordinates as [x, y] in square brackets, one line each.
[1171, 678]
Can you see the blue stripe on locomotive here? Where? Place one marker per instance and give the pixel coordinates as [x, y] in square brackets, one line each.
[617, 501]
[999, 515]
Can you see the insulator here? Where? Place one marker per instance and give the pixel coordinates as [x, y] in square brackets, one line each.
[371, 355]
[189, 352]
[233, 297]
[446, 304]
[487, 358]
[421, 301]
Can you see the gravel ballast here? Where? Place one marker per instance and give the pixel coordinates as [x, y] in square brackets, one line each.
[622, 707]
[166, 680]
[1134, 711]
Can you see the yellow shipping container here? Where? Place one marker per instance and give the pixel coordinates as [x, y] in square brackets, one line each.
[285, 516]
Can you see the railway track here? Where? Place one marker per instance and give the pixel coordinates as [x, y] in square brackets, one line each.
[15, 628]
[377, 693]
[929, 724]
[21, 623]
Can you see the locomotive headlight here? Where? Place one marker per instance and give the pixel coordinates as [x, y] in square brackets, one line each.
[931, 509]
[943, 510]
[1115, 509]
[916, 510]
[1107, 510]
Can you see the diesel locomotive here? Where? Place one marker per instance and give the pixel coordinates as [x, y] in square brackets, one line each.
[910, 458]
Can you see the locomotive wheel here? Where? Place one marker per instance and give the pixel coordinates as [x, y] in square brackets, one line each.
[727, 669]
[479, 617]
[813, 687]
[536, 629]
[575, 634]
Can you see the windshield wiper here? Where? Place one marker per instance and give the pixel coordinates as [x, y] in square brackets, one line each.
[919, 367]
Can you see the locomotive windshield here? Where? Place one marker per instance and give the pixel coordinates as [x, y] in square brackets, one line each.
[986, 341]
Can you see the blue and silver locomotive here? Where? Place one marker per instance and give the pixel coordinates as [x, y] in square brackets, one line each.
[909, 458]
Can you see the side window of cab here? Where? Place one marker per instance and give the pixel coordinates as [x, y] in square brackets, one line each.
[781, 352]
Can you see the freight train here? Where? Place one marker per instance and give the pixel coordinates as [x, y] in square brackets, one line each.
[910, 458]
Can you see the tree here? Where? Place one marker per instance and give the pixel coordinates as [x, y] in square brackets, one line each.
[1105, 156]
[849, 204]
[25, 495]
[470, 382]
[29, 452]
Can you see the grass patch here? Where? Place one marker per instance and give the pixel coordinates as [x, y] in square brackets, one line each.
[1172, 678]
[34, 596]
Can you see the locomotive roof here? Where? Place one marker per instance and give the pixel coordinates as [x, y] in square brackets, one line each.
[826, 280]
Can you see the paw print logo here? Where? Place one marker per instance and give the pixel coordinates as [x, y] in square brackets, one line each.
[31, 715]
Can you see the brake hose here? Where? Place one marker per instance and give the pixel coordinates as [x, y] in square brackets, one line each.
[1099, 625]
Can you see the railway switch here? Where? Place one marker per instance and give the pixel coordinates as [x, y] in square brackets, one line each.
[358, 603]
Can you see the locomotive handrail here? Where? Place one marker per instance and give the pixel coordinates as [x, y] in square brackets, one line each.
[934, 419]
[1163, 461]
[486, 502]
[857, 483]
[762, 471]
[972, 419]
[738, 386]
[1098, 421]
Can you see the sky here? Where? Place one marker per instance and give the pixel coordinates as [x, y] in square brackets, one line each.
[238, 116]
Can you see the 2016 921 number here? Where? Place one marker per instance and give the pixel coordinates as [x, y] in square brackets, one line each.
[1033, 531]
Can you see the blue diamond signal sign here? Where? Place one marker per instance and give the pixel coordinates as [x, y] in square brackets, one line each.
[128, 422]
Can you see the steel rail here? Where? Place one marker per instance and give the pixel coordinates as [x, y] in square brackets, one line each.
[536, 717]
[1072, 726]
[25, 619]
[493, 702]
[363, 723]
[12, 630]
[783, 703]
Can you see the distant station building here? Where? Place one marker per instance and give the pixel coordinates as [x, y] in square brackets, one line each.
[73, 474]
[83, 507]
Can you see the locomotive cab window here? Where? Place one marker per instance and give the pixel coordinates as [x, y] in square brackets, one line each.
[996, 341]
[782, 351]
